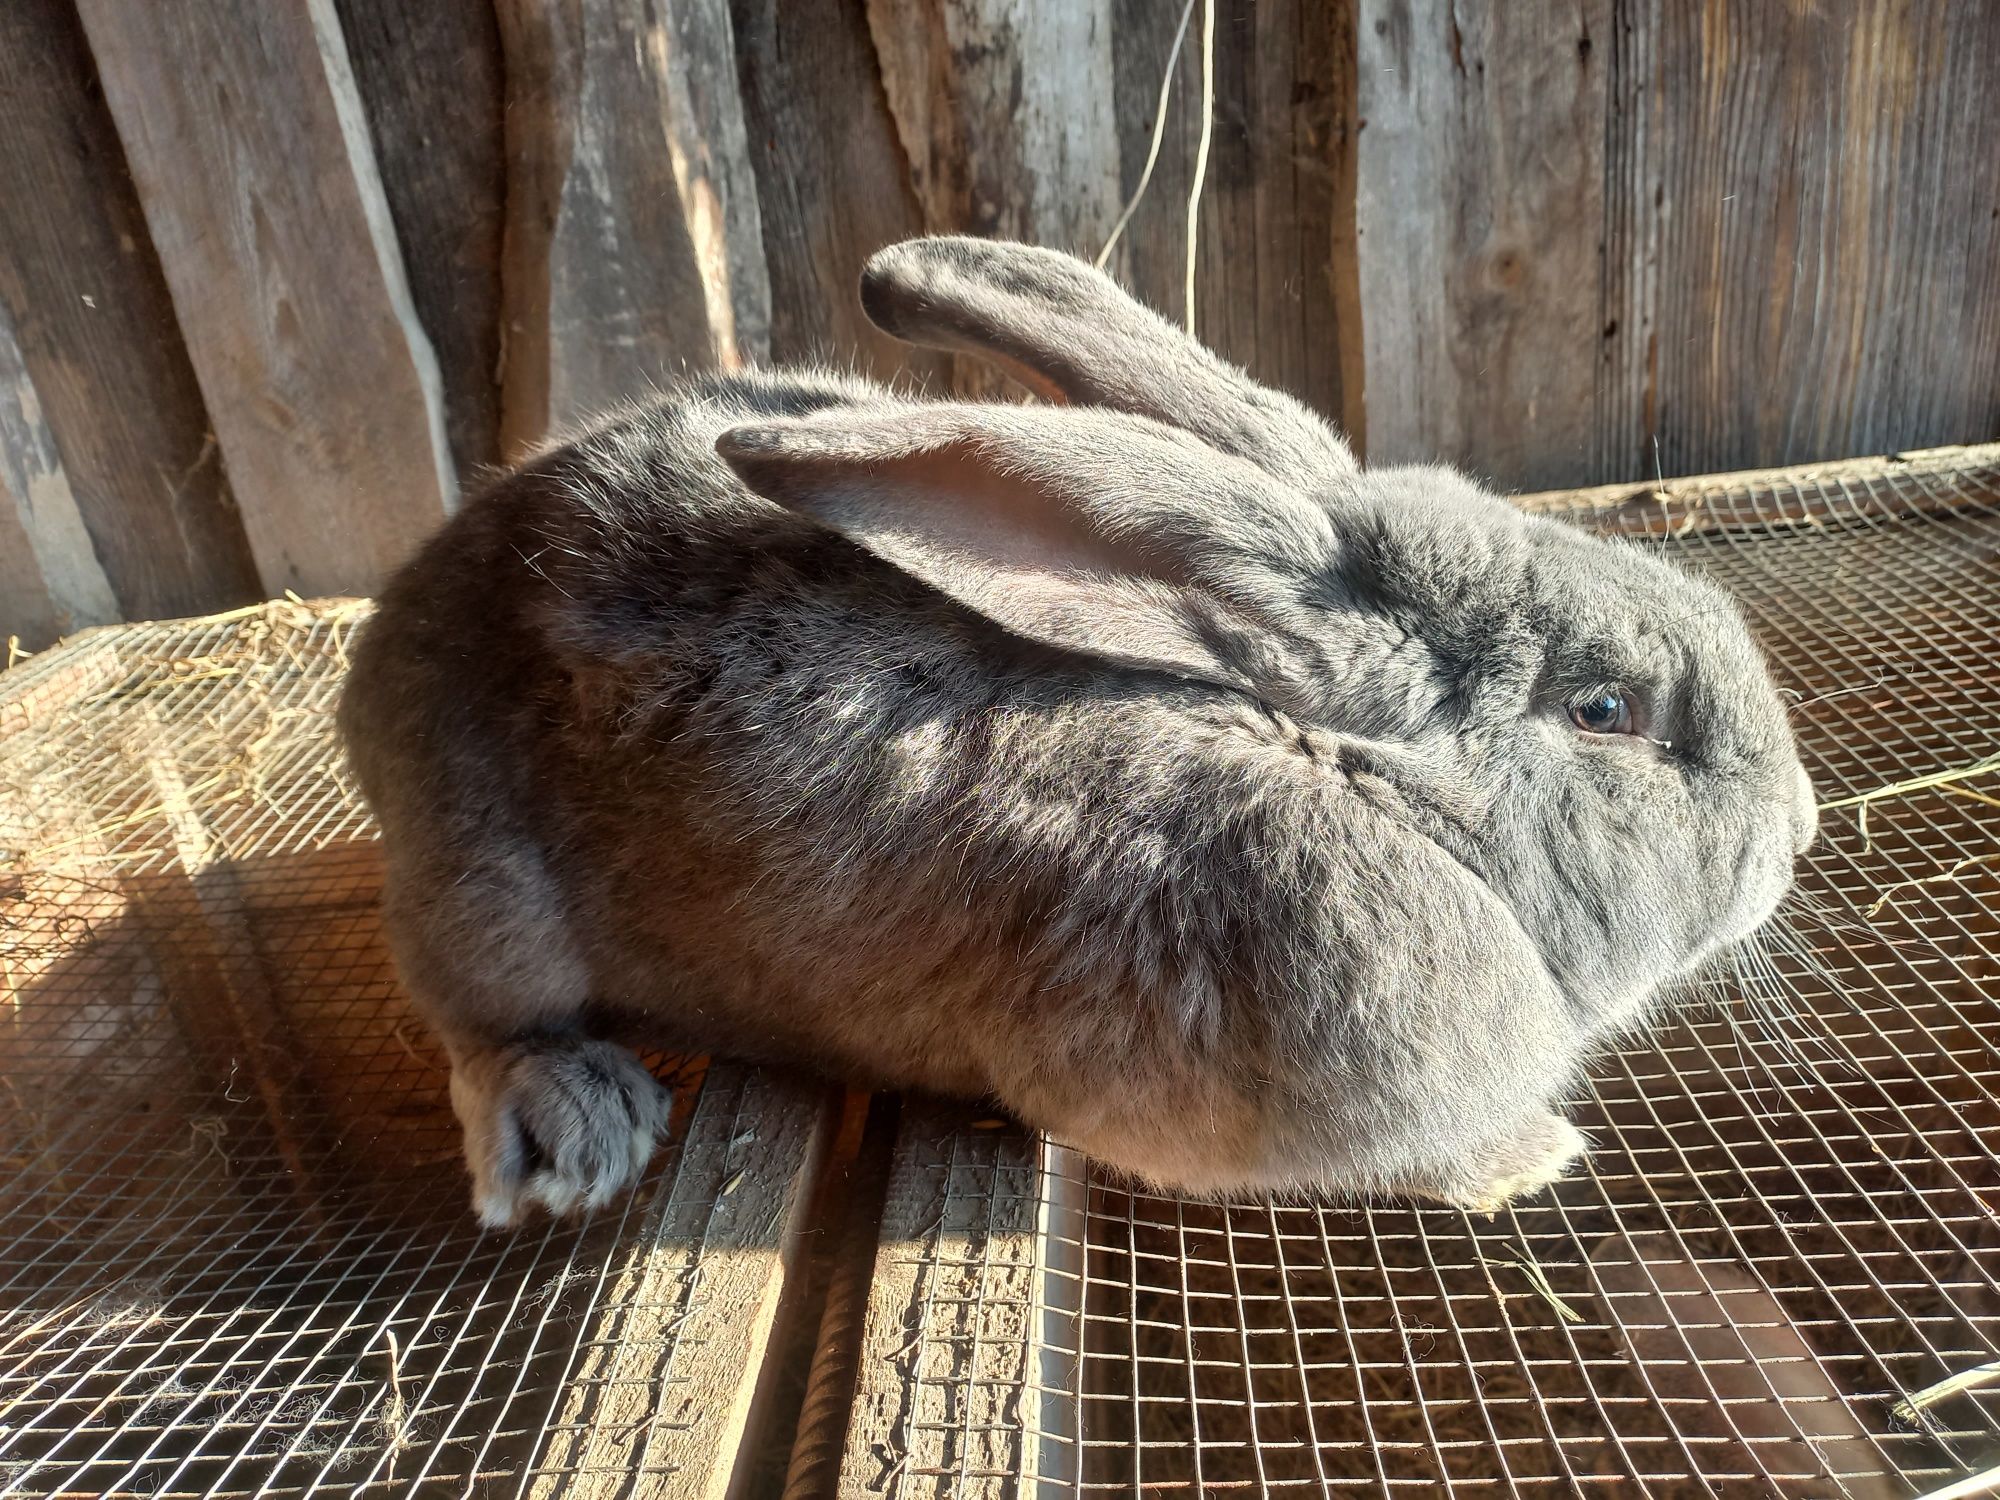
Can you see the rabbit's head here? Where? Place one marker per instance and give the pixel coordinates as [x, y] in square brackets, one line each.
[1588, 730]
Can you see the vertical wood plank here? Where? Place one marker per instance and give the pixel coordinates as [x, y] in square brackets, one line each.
[1802, 238]
[1277, 285]
[946, 1397]
[669, 1378]
[1035, 123]
[430, 78]
[1479, 199]
[28, 616]
[717, 182]
[53, 580]
[244, 131]
[98, 342]
[1004, 109]
[833, 186]
[634, 250]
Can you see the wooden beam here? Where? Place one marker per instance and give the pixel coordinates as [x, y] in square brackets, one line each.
[963, 1383]
[98, 341]
[668, 1380]
[1479, 192]
[430, 78]
[245, 135]
[833, 186]
[850, 1210]
[1801, 243]
[634, 252]
[52, 578]
[1931, 481]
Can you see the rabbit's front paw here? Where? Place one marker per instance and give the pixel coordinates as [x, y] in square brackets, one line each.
[559, 1121]
[1532, 1157]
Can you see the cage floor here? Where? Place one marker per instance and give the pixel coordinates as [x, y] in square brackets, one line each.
[236, 1251]
[235, 1256]
[1788, 1220]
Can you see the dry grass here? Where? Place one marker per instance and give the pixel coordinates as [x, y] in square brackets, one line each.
[96, 749]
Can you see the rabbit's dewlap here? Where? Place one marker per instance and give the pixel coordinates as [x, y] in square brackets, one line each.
[1246, 818]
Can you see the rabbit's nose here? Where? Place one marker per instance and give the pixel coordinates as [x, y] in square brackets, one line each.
[1805, 815]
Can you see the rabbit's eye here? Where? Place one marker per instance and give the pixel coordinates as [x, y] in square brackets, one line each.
[1608, 712]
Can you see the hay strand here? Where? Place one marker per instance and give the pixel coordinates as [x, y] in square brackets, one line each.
[1949, 876]
[394, 1419]
[1523, 1260]
[1946, 781]
[1908, 1409]
[1946, 778]
[1201, 150]
[1537, 1278]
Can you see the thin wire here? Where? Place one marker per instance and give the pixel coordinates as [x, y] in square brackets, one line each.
[1152, 151]
[1201, 150]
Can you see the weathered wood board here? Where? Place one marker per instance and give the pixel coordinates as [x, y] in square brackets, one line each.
[1004, 112]
[96, 339]
[832, 183]
[966, 1376]
[1276, 281]
[671, 1379]
[441, 153]
[1035, 123]
[1005, 115]
[1604, 242]
[1479, 183]
[366, 249]
[1801, 242]
[1930, 481]
[634, 251]
[287, 278]
[48, 564]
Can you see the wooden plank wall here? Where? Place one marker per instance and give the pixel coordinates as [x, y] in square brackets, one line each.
[280, 278]
[1605, 239]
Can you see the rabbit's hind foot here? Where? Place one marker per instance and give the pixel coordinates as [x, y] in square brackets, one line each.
[564, 1121]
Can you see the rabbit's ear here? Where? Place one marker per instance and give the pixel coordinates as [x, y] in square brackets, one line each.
[1085, 530]
[1069, 332]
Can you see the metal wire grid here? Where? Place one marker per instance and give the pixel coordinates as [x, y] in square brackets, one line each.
[958, 1255]
[203, 1291]
[1787, 1223]
[237, 1253]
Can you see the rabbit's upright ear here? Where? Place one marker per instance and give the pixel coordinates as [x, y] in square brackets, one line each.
[1069, 332]
[1087, 530]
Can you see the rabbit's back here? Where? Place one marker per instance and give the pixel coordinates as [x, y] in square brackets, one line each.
[778, 798]
[559, 572]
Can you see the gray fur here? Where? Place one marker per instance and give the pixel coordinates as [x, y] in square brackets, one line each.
[1068, 333]
[1140, 764]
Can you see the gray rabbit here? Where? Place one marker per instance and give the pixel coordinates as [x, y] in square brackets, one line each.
[1245, 819]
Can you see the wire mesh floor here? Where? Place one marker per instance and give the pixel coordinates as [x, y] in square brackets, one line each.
[1788, 1221]
[1784, 1241]
[236, 1251]
[235, 1256]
